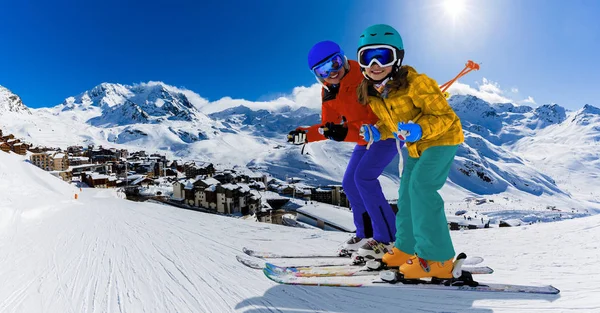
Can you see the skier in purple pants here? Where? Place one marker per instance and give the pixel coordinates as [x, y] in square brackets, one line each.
[369, 206]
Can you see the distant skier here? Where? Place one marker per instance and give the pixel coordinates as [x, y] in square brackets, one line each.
[412, 108]
[341, 119]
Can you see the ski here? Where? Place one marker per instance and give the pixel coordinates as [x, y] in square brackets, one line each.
[322, 269]
[362, 281]
[273, 255]
[267, 254]
[352, 270]
[259, 263]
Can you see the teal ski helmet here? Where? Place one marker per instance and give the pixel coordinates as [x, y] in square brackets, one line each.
[382, 34]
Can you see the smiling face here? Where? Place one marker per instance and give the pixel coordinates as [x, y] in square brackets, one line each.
[335, 77]
[376, 72]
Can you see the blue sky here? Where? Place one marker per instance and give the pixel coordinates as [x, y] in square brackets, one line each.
[256, 50]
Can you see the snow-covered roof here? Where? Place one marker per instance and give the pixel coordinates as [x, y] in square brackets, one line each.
[330, 214]
[265, 207]
[134, 177]
[59, 155]
[138, 180]
[259, 184]
[211, 181]
[78, 158]
[99, 176]
[230, 186]
[255, 195]
[211, 188]
[244, 187]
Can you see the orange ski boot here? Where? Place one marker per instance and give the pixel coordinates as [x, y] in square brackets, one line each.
[395, 258]
[416, 268]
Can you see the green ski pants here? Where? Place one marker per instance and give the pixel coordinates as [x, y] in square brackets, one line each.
[421, 225]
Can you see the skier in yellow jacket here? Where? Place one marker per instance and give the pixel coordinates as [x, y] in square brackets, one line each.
[412, 108]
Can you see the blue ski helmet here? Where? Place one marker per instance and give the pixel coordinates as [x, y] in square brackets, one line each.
[321, 51]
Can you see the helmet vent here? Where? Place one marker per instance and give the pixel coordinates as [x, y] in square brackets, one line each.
[386, 34]
[362, 36]
[374, 34]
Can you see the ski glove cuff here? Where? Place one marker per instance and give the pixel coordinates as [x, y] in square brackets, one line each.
[337, 132]
[370, 133]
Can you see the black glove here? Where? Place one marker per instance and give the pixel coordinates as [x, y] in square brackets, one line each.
[297, 137]
[334, 131]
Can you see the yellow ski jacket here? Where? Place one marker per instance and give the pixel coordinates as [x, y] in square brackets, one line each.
[423, 103]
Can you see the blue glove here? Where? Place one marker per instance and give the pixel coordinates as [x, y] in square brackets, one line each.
[370, 133]
[410, 132]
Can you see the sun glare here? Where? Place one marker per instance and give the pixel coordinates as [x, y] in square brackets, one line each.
[454, 7]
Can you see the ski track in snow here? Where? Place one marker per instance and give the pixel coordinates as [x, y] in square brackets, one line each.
[104, 254]
[118, 256]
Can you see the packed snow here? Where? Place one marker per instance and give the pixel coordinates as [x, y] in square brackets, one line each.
[99, 253]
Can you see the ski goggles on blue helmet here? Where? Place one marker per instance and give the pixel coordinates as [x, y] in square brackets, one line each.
[331, 65]
[383, 55]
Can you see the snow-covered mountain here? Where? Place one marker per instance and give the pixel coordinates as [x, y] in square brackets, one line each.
[501, 153]
[10, 102]
[100, 253]
[270, 124]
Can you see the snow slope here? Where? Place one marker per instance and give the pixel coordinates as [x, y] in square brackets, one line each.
[104, 254]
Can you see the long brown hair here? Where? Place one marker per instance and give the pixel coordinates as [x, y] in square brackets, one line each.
[398, 81]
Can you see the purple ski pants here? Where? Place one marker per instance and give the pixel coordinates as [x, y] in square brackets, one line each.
[373, 215]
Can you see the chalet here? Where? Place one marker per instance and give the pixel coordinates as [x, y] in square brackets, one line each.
[101, 155]
[257, 185]
[177, 165]
[143, 180]
[96, 180]
[178, 190]
[195, 168]
[38, 149]
[267, 214]
[231, 198]
[4, 146]
[322, 194]
[7, 137]
[78, 160]
[188, 193]
[75, 150]
[226, 177]
[20, 148]
[202, 184]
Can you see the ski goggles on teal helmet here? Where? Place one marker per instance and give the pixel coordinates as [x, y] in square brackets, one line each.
[331, 65]
[383, 55]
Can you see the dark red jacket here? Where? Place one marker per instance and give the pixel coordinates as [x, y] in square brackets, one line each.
[343, 102]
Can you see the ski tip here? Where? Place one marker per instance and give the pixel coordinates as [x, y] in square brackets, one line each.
[554, 290]
[461, 255]
[271, 266]
[270, 275]
[247, 251]
[250, 261]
